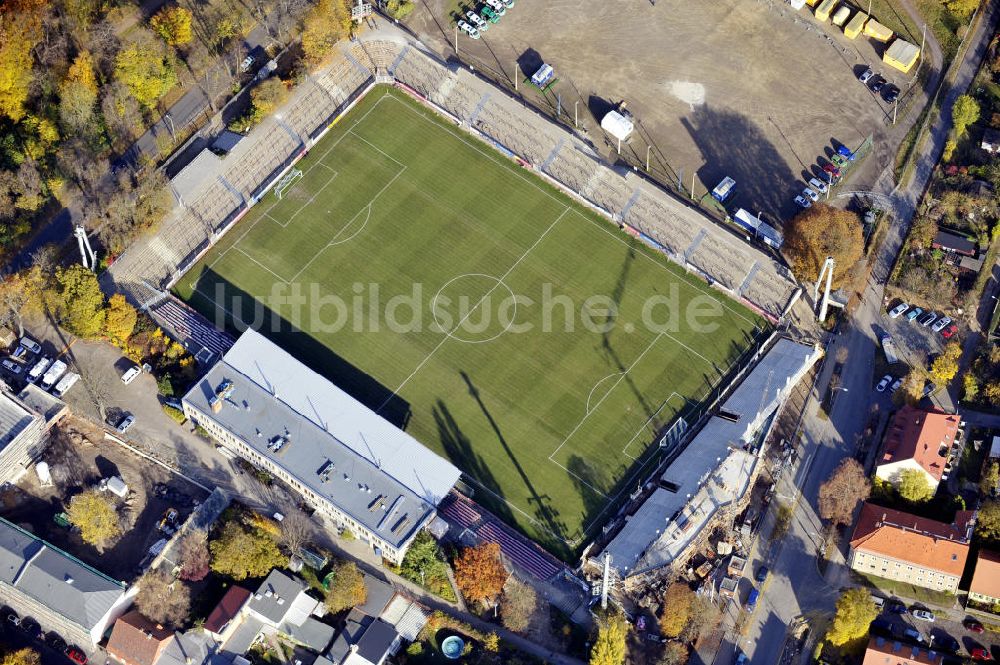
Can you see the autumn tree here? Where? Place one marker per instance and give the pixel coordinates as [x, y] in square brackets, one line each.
[267, 97]
[911, 390]
[609, 647]
[120, 319]
[95, 515]
[970, 387]
[677, 604]
[193, 556]
[347, 587]
[78, 94]
[163, 599]
[962, 8]
[990, 478]
[674, 653]
[143, 67]
[855, 612]
[479, 572]
[517, 605]
[840, 495]
[25, 656]
[821, 231]
[964, 112]
[81, 303]
[327, 23]
[241, 553]
[296, 530]
[20, 28]
[173, 25]
[945, 366]
[18, 291]
[988, 521]
[914, 486]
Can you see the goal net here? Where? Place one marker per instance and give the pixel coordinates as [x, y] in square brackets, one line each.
[286, 181]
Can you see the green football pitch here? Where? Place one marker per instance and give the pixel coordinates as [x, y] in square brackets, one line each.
[504, 325]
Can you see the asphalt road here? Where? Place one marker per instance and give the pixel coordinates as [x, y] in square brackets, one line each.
[798, 588]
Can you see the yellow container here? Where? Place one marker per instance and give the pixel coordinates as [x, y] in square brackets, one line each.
[841, 15]
[824, 9]
[902, 55]
[811, 3]
[855, 25]
[877, 31]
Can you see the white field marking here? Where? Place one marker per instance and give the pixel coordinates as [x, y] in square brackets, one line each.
[276, 275]
[594, 489]
[291, 218]
[334, 242]
[599, 382]
[472, 309]
[218, 305]
[642, 430]
[666, 265]
[611, 390]
[351, 130]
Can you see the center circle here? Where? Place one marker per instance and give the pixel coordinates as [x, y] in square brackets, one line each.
[474, 308]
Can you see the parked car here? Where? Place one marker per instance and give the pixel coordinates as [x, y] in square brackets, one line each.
[55, 641]
[973, 626]
[477, 20]
[929, 388]
[881, 626]
[876, 84]
[845, 152]
[923, 615]
[174, 403]
[125, 423]
[897, 310]
[77, 656]
[945, 642]
[12, 366]
[247, 63]
[980, 653]
[832, 169]
[838, 159]
[802, 201]
[941, 323]
[913, 634]
[31, 628]
[950, 331]
[895, 385]
[752, 600]
[20, 353]
[866, 75]
[31, 345]
[914, 313]
[927, 319]
[13, 619]
[897, 607]
[742, 659]
[890, 93]
[130, 374]
[884, 383]
[818, 185]
[761, 575]
[810, 194]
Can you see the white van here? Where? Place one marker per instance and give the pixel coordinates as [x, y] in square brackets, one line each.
[130, 374]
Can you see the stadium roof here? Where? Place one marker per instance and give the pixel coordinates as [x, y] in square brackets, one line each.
[14, 419]
[367, 461]
[712, 470]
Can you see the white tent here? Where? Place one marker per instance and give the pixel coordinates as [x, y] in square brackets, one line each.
[618, 125]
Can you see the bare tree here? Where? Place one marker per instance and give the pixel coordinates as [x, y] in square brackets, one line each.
[846, 487]
[162, 598]
[296, 531]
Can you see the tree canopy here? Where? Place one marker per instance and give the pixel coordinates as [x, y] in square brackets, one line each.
[517, 605]
[347, 587]
[855, 612]
[326, 24]
[95, 515]
[163, 599]
[120, 319]
[964, 113]
[479, 572]
[840, 495]
[914, 486]
[988, 521]
[241, 553]
[821, 231]
[990, 478]
[609, 647]
[25, 656]
[172, 25]
[20, 22]
[81, 302]
[945, 366]
[144, 67]
[677, 605]
[78, 93]
[193, 556]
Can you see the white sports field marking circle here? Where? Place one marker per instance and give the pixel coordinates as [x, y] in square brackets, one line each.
[334, 242]
[599, 382]
[451, 333]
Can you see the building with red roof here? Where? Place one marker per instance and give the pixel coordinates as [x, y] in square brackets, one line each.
[920, 440]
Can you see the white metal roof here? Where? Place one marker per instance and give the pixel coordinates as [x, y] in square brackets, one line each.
[392, 450]
[617, 125]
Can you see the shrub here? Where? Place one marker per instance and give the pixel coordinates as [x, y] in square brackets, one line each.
[175, 414]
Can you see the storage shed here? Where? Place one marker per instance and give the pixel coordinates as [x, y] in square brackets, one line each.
[855, 25]
[901, 54]
[618, 125]
[824, 9]
[877, 31]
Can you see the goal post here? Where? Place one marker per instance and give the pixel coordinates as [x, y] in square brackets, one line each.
[287, 181]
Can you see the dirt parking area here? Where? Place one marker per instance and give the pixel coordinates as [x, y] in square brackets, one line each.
[79, 457]
[749, 89]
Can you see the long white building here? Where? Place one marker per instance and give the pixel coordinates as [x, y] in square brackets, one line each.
[348, 462]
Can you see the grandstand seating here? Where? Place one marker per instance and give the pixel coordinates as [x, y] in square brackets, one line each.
[188, 324]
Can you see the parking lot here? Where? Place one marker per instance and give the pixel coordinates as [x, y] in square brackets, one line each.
[741, 88]
[946, 633]
[914, 343]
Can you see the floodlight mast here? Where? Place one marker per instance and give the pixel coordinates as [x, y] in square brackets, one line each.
[87, 256]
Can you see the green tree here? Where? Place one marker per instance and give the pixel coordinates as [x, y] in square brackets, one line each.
[855, 612]
[922, 233]
[347, 588]
[241, 553]
[78, 93]
[990, 478]
[120, 319]
[327, 23]
[95, 515]
[962, 8]
[267, 97]
[964, 113]
[914, 486]
[677, 604]
[819, 232]
[398, 9]
[988, 521]
[609, 647]
[81, 303]
[173, 25]
[144, 68]
[970, 387]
